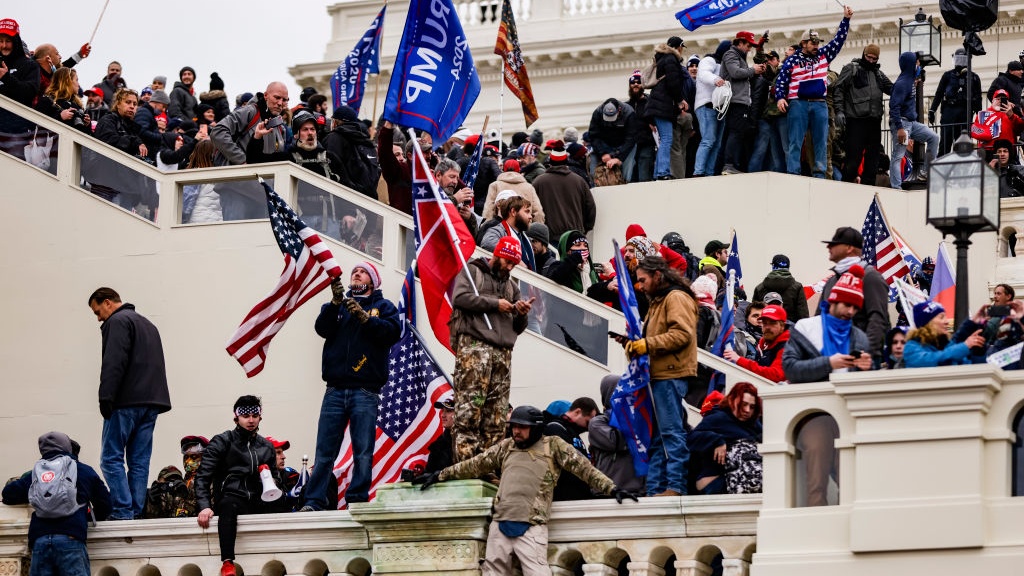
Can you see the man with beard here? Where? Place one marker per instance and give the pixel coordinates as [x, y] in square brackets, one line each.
[568, 427]
[516, 215]
[183, 96]
[358, 327]
[858, 103]
[316, 208]
[488, 316]
[769, 348]
[644, 167]
[447, 175]
[530, 464]
[19, 76]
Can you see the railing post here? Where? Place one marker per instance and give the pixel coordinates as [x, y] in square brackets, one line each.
[694, 568]
[599, 570]
[645, 569]
[735, 567]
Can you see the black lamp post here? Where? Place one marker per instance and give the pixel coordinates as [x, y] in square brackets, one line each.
[924, 38]
[963, 198]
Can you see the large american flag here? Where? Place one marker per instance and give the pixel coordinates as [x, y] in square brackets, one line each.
[880, 249]
[443, 244]
[407, 421]
[308, 269]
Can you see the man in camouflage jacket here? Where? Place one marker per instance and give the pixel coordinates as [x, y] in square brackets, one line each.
[530, 464]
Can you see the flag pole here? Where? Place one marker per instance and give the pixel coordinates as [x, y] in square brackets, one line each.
[452, 234]
[98, 20]
[501, 106]
[376, 85]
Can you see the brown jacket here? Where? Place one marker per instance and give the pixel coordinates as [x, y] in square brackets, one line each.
[469, 308]
[670, 329]
[517, 183]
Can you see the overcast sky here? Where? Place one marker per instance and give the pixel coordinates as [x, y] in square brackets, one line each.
[248, 43]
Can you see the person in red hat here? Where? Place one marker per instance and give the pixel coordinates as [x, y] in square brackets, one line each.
[774, 337]
[1002, 120]
[19, 75]
[279, 447]
[739, 121]
[489, 315]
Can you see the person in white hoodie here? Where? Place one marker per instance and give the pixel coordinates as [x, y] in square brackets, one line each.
[711, 126]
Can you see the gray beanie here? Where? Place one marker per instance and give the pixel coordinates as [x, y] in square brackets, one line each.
[54, 442]
[161, 97]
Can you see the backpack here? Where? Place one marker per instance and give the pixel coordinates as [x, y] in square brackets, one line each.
[743, 468]
[649, 75]
[710, 320]
[956, 91]
[54, 489]
[362, 168]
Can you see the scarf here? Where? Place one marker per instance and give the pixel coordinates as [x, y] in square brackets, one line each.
[844, 264]
[835, 335]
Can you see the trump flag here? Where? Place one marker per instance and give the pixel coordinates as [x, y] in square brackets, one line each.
[349, 81]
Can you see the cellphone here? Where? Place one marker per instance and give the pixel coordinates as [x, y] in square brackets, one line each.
[615, 335]
[997, 310]
[856, 353]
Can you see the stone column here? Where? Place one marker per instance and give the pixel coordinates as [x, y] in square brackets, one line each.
[434, 532]
[559, 571]
[599, 570]
[693, 568]
[645, 569]
[735, 567]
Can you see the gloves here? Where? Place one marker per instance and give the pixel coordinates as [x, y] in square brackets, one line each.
[85, 50]
[840, 120]
[931, 116]
[427, 480]
[575, 257]
[338, 291]
[356, 310]
[621, 495]
[106, 410]
[636, 348]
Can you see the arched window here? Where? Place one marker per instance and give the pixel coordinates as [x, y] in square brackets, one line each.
[817, 461]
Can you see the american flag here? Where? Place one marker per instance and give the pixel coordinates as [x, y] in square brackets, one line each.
[880, 249]
[443, 244]
[726, 336]
[308, 269]
[407, 421]
[473, 168]
[632, 411]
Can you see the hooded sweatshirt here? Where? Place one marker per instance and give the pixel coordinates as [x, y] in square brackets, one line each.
[902, 102]
[608, 448]
[708, 74]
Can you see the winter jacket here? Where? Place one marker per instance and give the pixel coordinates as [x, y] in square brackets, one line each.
[151, 136]
[469, 307]
[1010, 83]
[792, 291]
[608, 448]
[218, 100]
[568, 201]
[873, 316]
[955, 108]
[719, 427]
[230, 467]
[231, 135]
[397, 174]
[569, 487]
[803, 76]
[351, 143]
[21, 83]
[485, 176]
[645, 137]
[668, 92]
[109, 86]
[531, 171]
[618, 137]
[355, 353]
[736, 70]
[707, 74]
[859, 90]
[91, 490]
[183, 102]
[670, 329]
[802, 360]
[517, 183]
[769, 362]
[566, 271]
[926, 349]
[132, 372]
[120, 132]
[903, 101]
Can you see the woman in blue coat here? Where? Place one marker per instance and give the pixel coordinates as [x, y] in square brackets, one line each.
[930, 345]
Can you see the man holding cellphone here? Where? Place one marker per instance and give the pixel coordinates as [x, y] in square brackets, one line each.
[447, 175]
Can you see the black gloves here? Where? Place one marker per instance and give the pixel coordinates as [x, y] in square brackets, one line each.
[427, 480]
[356, 310]
[338, 292]
[574, 257]
[931, 116]
[621, 495]
[840, 120]
[106, 410]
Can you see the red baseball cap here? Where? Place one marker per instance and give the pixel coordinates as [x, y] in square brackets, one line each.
[744, 35]
[1000, 93]
[773, 312]
[9, 27]
[282, 444]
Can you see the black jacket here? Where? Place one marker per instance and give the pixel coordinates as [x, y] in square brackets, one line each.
[618, 137]
[356, 354]
[1010, 83]
[956, 109]
[21, 83]
[790, 289]
[569, 486]
[231, 465]
[645, 137]
[133, 371]
[440, 453]
[183, 102]
[668, 92]
[120, 132]
[90, 490]
[719, 427]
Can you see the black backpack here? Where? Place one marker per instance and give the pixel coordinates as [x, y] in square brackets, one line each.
[362, 167]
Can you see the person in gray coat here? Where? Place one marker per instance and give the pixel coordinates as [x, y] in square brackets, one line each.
[183, 96]
[608, 447]
[738, 121]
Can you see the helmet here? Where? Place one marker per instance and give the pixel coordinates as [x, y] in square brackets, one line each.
[526, 416]
[1020, 55]
[301, 118]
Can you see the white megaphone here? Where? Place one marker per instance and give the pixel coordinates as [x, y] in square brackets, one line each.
[270, 490]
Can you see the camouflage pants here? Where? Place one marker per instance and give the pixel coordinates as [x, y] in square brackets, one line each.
[482, 382]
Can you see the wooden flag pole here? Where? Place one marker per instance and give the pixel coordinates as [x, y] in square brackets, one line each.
[100, 19]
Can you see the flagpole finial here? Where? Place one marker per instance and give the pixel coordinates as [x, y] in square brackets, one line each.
[260, 179]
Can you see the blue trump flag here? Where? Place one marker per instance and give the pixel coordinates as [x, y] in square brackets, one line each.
[726, 336]
[632, 410]
[349, 81]
[434, 83]
[707, 12]
[473, 168]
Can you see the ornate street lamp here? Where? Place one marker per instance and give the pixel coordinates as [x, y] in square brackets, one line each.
[963, 198]
[923, 37]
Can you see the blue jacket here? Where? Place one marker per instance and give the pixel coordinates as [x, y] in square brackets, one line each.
[717, 428]
[90, 490]
[356, 354]
[917, 354]
[903, 100]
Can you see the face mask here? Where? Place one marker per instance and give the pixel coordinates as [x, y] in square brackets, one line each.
[52, 68]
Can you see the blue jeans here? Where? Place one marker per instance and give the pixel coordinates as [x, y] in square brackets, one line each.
[669, 453]
[355, 409]
[771, 134]
[711, 129]
[59, 555]
[127, 438]
[802, 116]
[920, 134]
[662, 162]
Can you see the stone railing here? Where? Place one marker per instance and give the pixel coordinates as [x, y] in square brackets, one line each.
[407, 531]
[579, 7]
